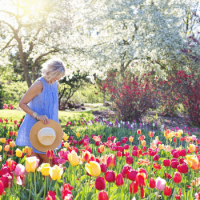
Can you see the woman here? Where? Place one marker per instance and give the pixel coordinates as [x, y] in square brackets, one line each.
[40, 102]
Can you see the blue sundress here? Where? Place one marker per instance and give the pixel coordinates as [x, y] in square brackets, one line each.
[46, 103]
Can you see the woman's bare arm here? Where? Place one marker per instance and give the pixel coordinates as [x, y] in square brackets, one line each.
[32, 92]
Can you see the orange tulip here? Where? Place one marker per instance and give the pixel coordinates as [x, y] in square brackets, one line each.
[7, 148]
[150, 134]
[139, 132]
[192, 161]
[110, 160]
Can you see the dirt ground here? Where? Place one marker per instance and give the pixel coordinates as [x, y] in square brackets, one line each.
[180, 121]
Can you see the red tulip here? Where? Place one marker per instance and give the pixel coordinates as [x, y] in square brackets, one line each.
[168, 176]
[103, 167]
[1, 187]
[11, 164]
[110, 160]
[126, 146]
[152, 183]
[174, 163]
[50, 196]
[132, 174]
[166, 163]
[167, 191]
[125, 170]
[181, 160]
[97, 143]
[133, 188]
[5, 169]
[120, 148]
[182, 153]
[50, 154]
[142, 194]
[103, 195]
[174, 140]
[177, 177]
[124, 140]
[156, 157]
[119, 180]
[129, 160]
[135, 148]
[175, 154]
[134, 153]
[183, 168]
[100, 183]
[118, 143]
[119, 154]
[140, 178]
[7, 179]
[110, 176]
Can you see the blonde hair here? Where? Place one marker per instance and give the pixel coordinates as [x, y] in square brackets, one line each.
[52, 68]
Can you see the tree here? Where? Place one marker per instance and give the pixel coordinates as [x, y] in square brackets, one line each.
[33, 30]
[116, 33]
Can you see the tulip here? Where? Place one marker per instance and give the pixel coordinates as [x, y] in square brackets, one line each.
[134, 153]
[100, 183]
[129, 160]
[126, 146]
[152, 183]
[119, 154]
[44, 169]
[55, 172]
[119, 180]
[143, 143]
[118, 143]
[131, 138]
[1, 187]
[133, 188]
[50, 154]
[192, 161]
[18, 153]
[183, 168]
[103, 167]
[4, 170]
[11, 164]
[73, 158]
[177, 177]
[7, 179]
[50, 195]
[140, 178]
[86, 155]
[12, 144]
[101, 149]
[166, 163]
[7, 148]
[124, 140]
[156, 157]
[3, 140]
[139, 132]
[160, 184]
[150, 134]
[132, 174]
[192, 147]
[110, 176]
[110, 160]
[103, 195]
[93, 168]
[174, 163]
[182, 153]
[31, 163]
[19, 170]
[125, 171]
[167, 191]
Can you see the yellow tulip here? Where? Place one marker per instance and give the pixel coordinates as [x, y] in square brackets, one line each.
[143, 142]
[18, 153]
[31, 163]
[192, 147]
[192, 161]
[78, 134]
[66, 145]
[0, 148]
[2, 140]
[161, 146]
[73, 158]
[44, 169]
[93, 168]
[65, 137]
[131, 138]
[56, 172]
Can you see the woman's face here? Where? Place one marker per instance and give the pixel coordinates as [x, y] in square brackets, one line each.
[54, 79]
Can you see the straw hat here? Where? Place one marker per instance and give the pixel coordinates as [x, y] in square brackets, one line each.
[44, 137]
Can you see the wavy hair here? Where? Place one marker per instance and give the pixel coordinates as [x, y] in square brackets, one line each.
[53, 68]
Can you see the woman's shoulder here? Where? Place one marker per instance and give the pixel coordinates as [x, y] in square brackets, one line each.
[38, 84]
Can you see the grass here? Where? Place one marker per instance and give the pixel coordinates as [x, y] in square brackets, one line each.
[64, 116]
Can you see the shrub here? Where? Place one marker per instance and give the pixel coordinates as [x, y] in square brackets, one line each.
[132, 96]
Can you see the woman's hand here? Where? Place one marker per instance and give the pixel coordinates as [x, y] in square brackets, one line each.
[43, 118]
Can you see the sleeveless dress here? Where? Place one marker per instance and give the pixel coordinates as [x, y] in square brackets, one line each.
[46, 103]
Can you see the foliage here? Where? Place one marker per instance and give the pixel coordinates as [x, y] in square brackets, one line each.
[132, 96]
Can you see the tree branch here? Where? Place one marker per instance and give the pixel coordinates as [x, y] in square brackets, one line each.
[7, 44]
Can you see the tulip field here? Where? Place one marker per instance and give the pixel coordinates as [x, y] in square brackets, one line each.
[101, 160]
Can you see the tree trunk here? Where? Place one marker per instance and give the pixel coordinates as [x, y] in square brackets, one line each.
[35, 74]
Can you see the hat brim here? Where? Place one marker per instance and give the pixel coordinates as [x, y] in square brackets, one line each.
[36, 128]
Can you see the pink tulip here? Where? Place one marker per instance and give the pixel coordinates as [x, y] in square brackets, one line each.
[20, 170]
[160, 184]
